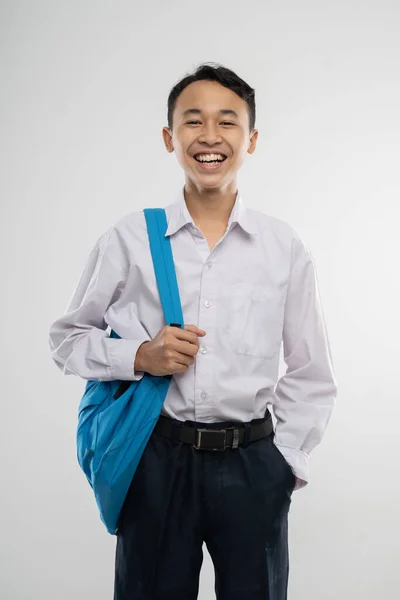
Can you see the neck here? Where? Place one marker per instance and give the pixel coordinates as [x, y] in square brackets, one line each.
[210, 207]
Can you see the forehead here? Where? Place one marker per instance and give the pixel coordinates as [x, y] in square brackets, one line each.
[210, 97]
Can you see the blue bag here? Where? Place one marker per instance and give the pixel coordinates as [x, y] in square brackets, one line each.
[116, 419]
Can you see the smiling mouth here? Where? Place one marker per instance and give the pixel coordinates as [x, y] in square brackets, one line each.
[210, 165]
[209, 161]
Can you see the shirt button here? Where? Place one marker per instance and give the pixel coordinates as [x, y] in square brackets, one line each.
[203, 350]
[207, 303]
[209, 265]
[203, 395]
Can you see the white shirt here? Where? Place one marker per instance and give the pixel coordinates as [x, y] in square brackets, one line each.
[256, 288]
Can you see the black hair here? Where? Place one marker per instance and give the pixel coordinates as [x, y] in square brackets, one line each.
[222, 75]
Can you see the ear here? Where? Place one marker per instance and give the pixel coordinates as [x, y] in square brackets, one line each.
[167, 137]
[253, 141]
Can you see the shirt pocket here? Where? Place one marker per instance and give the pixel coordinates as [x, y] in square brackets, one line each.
[254, 321]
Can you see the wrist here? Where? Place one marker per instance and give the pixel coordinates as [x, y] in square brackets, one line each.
[139, 363]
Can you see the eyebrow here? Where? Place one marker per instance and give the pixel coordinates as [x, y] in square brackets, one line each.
[197, 111]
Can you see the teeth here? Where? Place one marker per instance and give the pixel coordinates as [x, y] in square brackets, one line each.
[209, 157]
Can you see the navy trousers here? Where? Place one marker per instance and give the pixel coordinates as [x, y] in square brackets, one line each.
[236, 501]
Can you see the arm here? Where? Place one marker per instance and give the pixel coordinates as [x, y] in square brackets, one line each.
[306, 394]
[78, 340]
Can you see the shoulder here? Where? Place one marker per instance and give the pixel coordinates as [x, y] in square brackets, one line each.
[124, 231]
[270, 225]
[121, 237]
[284, 234]
[132, 223]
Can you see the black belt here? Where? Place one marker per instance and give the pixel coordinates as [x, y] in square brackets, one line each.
[214, 439]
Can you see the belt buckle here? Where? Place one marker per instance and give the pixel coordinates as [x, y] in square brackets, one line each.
[203, 432]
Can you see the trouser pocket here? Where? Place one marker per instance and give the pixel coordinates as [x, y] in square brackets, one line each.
[291, 477]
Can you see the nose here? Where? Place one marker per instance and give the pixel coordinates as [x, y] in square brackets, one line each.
[209, 134]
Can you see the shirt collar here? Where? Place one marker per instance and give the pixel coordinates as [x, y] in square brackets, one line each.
[178, 215]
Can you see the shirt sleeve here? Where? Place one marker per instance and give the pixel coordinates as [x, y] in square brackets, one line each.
[79, 342]
[305, 395]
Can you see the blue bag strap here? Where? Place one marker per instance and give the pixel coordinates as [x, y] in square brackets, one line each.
[164, 268]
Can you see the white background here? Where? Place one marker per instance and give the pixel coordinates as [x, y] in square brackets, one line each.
[84, 86]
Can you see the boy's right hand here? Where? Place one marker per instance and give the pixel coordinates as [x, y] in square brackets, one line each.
[173, 350]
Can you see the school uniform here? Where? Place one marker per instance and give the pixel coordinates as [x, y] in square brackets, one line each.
[215, 470]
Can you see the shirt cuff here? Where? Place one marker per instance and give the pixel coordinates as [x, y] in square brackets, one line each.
[298, 461]
[122, 358]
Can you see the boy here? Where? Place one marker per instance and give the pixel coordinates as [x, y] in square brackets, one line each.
[214, 469]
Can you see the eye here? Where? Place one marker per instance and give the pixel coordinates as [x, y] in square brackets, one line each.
[223, 122]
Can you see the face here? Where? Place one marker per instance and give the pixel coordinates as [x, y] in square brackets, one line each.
[209, 118]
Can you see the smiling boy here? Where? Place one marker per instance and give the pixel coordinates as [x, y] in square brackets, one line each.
[214, 470]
